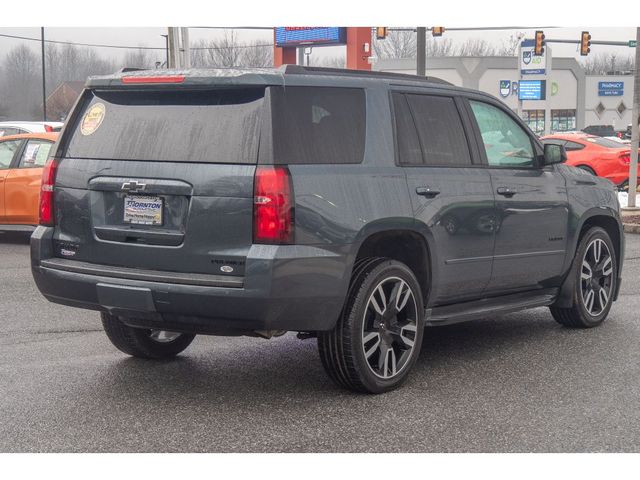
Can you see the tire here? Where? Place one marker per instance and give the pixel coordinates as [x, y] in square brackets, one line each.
[590, 310]
[144, 343]
[588, 169]
[372, 349]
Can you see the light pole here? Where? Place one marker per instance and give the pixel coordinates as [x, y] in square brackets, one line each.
[635, 134]
[44, 87]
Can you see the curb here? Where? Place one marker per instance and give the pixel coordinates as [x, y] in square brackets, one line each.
[631, 227]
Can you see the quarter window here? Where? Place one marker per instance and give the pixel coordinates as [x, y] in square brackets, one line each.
[505, 142]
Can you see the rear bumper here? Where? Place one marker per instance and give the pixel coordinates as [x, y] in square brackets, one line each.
[291, 287]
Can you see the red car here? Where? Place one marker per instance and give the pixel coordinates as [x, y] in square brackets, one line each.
[599, 156]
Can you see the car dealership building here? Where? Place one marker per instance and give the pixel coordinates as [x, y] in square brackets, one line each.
[557, 97]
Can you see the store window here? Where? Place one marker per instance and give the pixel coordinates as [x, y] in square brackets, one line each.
[563, 120]
[535, 120]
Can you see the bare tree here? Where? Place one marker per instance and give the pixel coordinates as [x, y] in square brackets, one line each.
[476, 47]
[256, 54]
[604, 63]
[510, 46]
[21, 75]
[398, 44]
[440, 47]
[140, 58]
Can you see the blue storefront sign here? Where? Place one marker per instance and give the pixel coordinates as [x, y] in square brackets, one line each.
[610, 89]
[532, 90]
[292, 36]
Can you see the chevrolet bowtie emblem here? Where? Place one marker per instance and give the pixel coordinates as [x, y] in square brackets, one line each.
[133, 186]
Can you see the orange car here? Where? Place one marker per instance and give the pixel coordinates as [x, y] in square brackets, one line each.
[21, 160]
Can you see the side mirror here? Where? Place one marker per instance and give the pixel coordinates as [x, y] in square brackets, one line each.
[554, 154]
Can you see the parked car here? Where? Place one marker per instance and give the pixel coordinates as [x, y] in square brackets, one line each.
[600, 130]
[599, 156]
[22, 158]
[16, 128]
[355, 207]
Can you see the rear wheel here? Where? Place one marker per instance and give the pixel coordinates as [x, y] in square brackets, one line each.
[377, 338]
[595, 277]
[142, 342]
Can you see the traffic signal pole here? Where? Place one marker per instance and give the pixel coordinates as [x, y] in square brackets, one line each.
[635, 127]
[421, 51]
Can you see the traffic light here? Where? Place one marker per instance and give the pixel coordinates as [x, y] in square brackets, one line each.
[437, 31]
[381, 33]
[539, 44]
[585, 43]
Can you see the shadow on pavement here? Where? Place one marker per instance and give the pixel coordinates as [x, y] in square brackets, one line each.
[15, 237]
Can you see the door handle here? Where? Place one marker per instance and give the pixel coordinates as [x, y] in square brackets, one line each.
[506, 191]
[427, 192]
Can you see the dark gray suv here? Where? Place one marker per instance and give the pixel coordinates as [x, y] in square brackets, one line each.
[355, 207]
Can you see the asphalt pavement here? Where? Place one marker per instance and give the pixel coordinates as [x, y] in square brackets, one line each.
[514, 383]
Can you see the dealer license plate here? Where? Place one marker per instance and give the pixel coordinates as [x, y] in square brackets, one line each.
[142, 210]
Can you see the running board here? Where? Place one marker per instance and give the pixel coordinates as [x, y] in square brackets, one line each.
[463, 312]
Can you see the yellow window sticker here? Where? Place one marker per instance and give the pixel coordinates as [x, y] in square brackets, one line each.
[92, 119]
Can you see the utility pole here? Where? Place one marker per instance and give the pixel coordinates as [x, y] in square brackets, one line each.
[635, 127]
[421, 51]
[174, 48]
[44, 86]
[186, 51]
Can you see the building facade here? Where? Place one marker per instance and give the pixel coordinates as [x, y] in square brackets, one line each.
[568, 98]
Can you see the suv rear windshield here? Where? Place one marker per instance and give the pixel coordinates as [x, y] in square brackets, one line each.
[215, 126]
[318, 125]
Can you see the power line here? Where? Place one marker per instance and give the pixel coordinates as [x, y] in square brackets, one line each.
[60, 42]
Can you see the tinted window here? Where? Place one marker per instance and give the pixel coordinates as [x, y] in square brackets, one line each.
[505, 142]
[218, 126]
[440, 130]
[409, 152]
[573, 146]
[318, 125]
[7, 151]
[35, 154]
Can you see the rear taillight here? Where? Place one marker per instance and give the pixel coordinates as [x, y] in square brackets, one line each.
[625, 158]
[46, 192]
[272, 205]
[48, 128]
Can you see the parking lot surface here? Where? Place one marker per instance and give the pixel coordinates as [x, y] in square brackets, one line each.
[518, 382]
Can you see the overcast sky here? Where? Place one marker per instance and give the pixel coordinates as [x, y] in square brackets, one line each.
[151, 37]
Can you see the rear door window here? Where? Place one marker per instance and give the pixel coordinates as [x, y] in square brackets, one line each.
[440, 131]
[213, 126]
[35, 154]
[318, 125]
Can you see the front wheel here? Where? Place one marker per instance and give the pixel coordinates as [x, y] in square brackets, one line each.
[377, 338]
[595, 277]
[142, 342]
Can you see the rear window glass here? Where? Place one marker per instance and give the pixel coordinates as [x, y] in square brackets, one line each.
[605, 142]
[409, 152]
[216, 126]
[318, 125]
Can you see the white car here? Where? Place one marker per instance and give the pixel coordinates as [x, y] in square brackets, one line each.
[15, 128]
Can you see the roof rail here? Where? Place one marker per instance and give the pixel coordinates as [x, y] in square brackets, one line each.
[301, 70]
